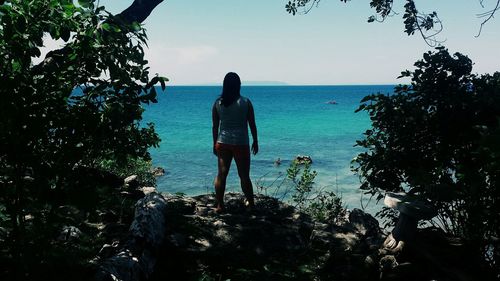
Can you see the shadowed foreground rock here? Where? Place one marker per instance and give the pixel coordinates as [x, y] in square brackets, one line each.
[137, 258]
[182, 238]
[271, 242]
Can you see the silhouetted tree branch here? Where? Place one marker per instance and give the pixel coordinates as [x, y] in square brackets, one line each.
[138, 11]
[489, 15]
[428, 25]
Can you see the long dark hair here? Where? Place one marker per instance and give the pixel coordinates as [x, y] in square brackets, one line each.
[230, 89]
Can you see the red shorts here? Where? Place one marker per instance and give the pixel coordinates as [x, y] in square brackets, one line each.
[238, 151]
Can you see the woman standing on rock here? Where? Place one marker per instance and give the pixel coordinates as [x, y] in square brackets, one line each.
[232, 114]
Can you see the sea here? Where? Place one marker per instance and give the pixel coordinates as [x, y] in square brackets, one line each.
[317, 121]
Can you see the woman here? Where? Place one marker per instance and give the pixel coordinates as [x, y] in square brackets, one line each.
[232, 114]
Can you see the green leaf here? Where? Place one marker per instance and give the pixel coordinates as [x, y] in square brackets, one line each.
[85, 3]
[136, 26]
[72, 56]
[153, 81]
[54, 32]
[5, 9]
[106, 26]
[162, 82]
[16, 66]
[361, 107]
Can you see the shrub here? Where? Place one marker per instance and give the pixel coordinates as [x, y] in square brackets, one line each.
[323, 206]
[438, 139]
[59, 119]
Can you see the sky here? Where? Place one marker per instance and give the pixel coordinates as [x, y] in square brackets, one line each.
[197, 42]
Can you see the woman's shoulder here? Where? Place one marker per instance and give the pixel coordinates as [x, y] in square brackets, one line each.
[217, 103]
[245, 99]
[218, 100]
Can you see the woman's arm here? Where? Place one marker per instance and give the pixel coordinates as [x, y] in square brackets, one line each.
[215, 127]
[253, 128]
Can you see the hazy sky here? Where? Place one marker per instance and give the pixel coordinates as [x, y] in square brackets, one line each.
[198, 41]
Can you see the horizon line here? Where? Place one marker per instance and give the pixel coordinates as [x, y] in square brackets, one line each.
[284, 85]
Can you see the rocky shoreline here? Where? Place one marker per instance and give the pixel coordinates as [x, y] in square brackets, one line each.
[182, 238]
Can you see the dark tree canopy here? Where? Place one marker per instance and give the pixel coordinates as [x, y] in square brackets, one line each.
[427, 24]
[61, 119]
[438, 139]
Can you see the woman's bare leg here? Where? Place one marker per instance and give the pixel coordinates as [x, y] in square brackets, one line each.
[224, 163]
[243, 165]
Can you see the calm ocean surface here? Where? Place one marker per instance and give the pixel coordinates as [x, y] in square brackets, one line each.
[291, 120]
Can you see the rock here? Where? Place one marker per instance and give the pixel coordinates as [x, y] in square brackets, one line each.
[240, 244]
[149, 225]
[411, 209]
[273, 241]
[131, 182]
[392, 199]
[134, 194]
[409, 205]
[147, 189]
[69, 233]
[136, 260]
[204, 244]
[392, 246]
[108, 250]
[365, 224]
[122, 267]
[417, 209]
[369, 261]
[303, 159]
[158, 171]
[387, 263]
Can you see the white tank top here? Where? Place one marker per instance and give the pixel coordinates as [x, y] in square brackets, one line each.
[233, 126]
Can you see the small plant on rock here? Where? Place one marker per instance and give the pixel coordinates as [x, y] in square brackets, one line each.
[323, 206]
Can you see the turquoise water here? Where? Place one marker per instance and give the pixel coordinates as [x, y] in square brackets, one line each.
[291, 120]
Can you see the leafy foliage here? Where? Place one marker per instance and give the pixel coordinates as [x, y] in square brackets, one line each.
[323, 206]
[438, 139]
[303, 185]
[133, 166]
[428, 25]
[53, 138]
[293, 6]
